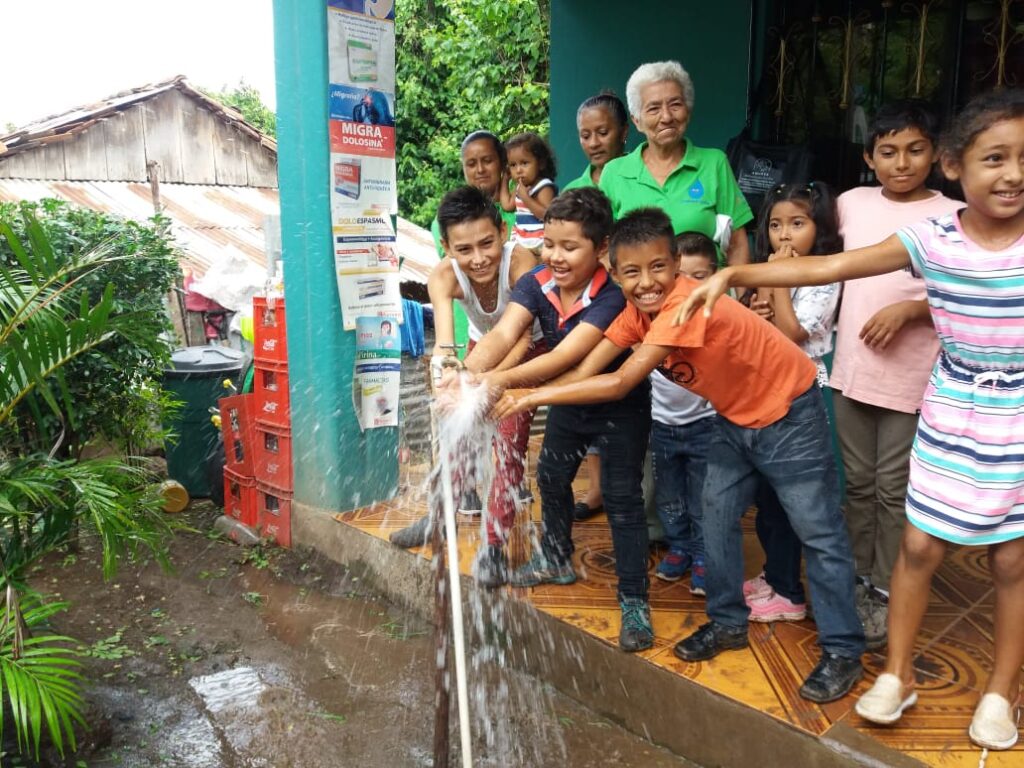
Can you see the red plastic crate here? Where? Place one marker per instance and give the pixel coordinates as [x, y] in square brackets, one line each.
[269, 338]
[271, 394]
[240, 497]
[236, 425]
[273, 455]
[274, 513]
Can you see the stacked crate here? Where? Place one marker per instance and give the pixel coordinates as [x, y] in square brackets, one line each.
[236, 424]
[272, 431]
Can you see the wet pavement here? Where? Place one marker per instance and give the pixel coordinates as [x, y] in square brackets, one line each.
[287, 660]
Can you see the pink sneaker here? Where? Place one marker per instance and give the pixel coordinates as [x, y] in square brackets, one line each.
[756, 587]
[774, 607]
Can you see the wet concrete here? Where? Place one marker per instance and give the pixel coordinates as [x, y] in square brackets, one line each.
[286, 661]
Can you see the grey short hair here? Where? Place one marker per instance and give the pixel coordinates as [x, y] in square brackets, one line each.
[656, 72]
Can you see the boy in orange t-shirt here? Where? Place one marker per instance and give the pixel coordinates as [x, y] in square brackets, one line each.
[770, 423]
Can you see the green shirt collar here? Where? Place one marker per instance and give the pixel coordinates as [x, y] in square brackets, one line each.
[634, 167]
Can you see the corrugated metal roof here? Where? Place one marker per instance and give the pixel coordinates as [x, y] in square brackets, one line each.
[67, 124]
[207, 219]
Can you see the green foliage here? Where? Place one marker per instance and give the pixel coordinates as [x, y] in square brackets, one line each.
[111, 385]
[38, 674]
[56, 306]
[246, 100]
[471, 65]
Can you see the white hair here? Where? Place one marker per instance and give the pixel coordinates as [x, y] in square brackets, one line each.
[657, 72]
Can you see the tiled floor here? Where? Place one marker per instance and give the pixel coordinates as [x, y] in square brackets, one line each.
[956, 641]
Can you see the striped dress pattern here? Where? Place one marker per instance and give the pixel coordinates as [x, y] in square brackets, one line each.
[529, 231]
[967, 464]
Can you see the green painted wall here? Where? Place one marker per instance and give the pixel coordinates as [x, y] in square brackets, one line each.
[596, 45]
[336, 467]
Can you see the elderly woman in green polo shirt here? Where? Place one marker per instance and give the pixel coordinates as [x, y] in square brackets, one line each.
[602, 125]
[693, 185]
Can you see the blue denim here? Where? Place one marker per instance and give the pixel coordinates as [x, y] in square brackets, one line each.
[679, 457]
[794, 455]
[782, 550]
[620, 431]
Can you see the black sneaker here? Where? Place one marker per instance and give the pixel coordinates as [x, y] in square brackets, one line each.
[832, 679]
[415, 535]
[636, 633]
[491, 568]
[470, 503]
[581, 511]
[708, 641]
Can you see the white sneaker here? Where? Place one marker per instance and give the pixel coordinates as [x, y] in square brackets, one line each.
[884, 703]
[994, 725]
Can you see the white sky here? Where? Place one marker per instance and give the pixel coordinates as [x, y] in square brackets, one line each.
[59, 54]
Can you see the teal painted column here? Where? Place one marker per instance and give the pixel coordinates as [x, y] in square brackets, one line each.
[336, 467]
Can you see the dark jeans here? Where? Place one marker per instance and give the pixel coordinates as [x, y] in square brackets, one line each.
[620, 431]
[782, 550]
[794, 455]
[679, 457]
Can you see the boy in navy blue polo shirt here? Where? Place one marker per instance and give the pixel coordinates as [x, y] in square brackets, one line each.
[575, 300]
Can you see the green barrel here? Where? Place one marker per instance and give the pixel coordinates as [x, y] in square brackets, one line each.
[196, 379]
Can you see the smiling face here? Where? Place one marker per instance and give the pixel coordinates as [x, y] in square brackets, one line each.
[663, 113]
[601, 137]
[476, 247]
[646, 272]
[991, 173]
[571, 256]
[481, 165]
[523, 166]
[790, 224]
[901, 162]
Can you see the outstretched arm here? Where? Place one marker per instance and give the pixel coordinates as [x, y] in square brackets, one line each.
[496, 344]
[596, 389]
[441, 286]
[570, 351]
[888, 256]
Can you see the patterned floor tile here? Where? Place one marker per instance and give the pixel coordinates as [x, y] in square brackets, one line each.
[955, 645]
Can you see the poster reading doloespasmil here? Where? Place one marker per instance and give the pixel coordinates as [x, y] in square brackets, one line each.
[364, 194]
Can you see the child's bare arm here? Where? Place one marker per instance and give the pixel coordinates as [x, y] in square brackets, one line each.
[785, 318]
[538, 204]
[570, 351]
[888, 256]
[500, 340]
[523, 260]
[505, 196]
[517, 352]
[882, 327]
[599, 358]
[596, 389]
[441, 286]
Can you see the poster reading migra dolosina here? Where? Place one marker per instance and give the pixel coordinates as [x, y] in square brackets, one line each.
[363, 190]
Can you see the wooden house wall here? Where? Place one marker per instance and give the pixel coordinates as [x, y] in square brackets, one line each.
[191, 145]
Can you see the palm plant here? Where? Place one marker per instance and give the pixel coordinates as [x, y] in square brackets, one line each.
[46, 321]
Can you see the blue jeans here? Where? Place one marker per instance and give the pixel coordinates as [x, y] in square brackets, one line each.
[794, 455]
[782, 550]
[620, 431]
[679, 456]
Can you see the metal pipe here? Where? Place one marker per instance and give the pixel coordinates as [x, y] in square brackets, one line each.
[442, 688]
[458, 627]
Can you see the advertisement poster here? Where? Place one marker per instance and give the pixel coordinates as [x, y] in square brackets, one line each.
[375, 385]
[364, 190]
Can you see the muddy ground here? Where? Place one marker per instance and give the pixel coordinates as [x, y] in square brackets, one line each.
[270, 658]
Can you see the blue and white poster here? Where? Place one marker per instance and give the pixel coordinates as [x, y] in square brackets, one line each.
[375, 385]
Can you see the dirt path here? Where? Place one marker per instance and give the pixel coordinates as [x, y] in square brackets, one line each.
[278, 659]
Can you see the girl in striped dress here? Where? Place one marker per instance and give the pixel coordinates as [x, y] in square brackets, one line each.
[531, 164]
[967, 463]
